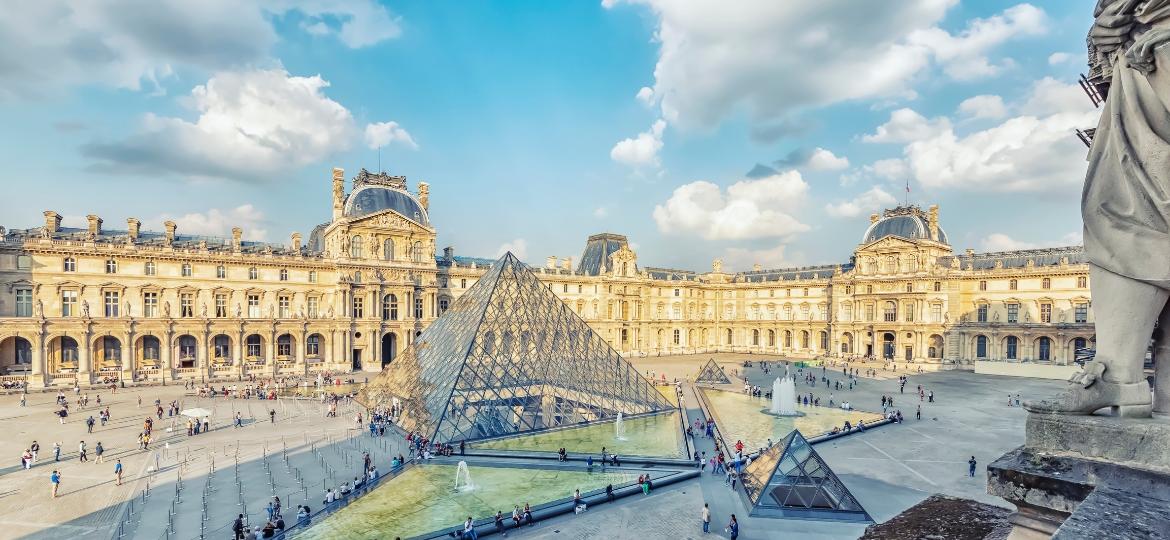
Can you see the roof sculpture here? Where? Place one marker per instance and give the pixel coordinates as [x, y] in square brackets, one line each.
[509, 357]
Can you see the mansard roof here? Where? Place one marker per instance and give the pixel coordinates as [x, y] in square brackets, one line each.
[1020, 258]
[158, 239]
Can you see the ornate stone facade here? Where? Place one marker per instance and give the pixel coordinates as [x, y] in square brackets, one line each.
[92, 304]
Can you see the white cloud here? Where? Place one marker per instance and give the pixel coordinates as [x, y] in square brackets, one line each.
[890, 170]
[50, 45]
[216, 222]
[824, 160]
[384, 133]
[1034, 151]
[1003, 242]
[983, 106]
[964, 56]
[760, 208]
[642, 150]
[600, 212]
[907, 125]
[250, 124]
[518, 247]
[646, 96]
[773, 59]
[871, 201]
[743, 259]
[1057, 58]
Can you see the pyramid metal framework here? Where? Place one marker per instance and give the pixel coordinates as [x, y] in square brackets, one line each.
[509, 357]
[790, 480]
[712, 373]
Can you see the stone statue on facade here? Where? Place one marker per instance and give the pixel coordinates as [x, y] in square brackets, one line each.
[1126, 211]
[39, 309]
[203, 310]
[84, 309]
[167, 309]
[239, 310]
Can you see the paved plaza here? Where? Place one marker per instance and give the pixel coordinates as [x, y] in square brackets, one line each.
[888, 469]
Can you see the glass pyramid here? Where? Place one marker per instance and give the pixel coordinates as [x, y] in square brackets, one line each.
[509, 357]
[712, 374]
[790, 480]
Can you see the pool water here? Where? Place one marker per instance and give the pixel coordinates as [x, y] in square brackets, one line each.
[740, 418]
[423, 499]
[658, 435]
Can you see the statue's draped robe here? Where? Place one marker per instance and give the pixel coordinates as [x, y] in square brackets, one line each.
[1126, 200]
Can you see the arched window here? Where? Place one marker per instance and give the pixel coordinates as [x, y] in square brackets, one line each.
[804, 339]
[355, 247]
[788, 339]
[253, 273]
[389, 308]
[755, 337]
[150, 350]
[1044, 349]
[187, 346]
[221, 348]
[1012, 346]
[388, 249]
[312, 276]
[186, 270]
[253, 345]
[1079, 343]
[824, 341]
[149, 268]
[771, 338]
[416, 252]
[68, 350]
[891, 311]
[70, 264]
[981, 347]
[729, 336]
[313, 346]
[891, 264]
[111, 349]
[284, 345]
[221, 272]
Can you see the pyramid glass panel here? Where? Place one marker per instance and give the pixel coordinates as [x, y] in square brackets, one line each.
[508, 357]
[712, 373]
[790, 480]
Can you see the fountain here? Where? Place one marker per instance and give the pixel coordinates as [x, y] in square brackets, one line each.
[619, 428]
[784, 397]
[463, 478]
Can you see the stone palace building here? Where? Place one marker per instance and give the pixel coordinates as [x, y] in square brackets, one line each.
[97, 304]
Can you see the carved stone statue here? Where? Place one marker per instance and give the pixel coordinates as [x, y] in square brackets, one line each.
[239, 310]
[330, 312]
[85, 309]
[167, 309]
[203, 310]
[1126, 212]
[38, 309]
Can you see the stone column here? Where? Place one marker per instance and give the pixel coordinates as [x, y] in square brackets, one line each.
[128, 360]
[201, 356]
[36, 378]
[166, 372]
[84, 359]
[239, 351]
[300, 345]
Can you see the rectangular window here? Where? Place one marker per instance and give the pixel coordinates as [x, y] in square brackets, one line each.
[68, 303]
[983, 285]
[150, 304]
[1082, 282]
[418, 308]
[358, 304]
[869, 310]
[312, 307]
[1013, 313]
[221, 272]
[221, 305]
[981, 313]
[1046, 312]
[1081, 313]
[312, 276]
[565, 287]
[282, 307]
[937, 286]
[24, 303]
[253, 306]
[463, 284]
[677, 337]
[111, 303]
[676, 292]
[936, 313]
[186, 305]
[909, 312]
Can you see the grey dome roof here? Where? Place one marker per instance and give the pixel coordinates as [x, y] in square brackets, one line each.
[370, 199]
[910, 226]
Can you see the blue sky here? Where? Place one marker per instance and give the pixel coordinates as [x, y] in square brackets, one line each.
[540, 123]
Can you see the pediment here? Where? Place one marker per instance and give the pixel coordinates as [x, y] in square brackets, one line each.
[388, 220]
[888, 242]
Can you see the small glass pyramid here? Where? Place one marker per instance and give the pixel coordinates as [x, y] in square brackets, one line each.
[509, 357]
[790, 480]
[712, 374]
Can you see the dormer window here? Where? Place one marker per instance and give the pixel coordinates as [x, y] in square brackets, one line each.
[70, 264]
[111, 266]
[147, 269]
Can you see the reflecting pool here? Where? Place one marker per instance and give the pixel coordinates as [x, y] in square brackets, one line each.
[424, 499]
[740, 418]
[659, 435]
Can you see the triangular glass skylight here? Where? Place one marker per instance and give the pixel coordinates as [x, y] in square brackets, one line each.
[712, 373]
[790, 480]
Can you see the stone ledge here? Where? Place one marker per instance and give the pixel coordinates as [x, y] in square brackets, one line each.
[1139, 442]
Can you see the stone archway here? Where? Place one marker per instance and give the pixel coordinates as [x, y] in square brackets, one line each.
[389, 348]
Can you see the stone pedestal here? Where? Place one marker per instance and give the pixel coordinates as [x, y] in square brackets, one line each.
[1087, 477]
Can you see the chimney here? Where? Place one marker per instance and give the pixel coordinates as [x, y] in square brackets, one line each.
[567, 264]
[970, 252]
[424, 195]
[756, 267]
[237, 233]
[932, 220]
[873, 218]
[338, 193]
[133, 226]
[52, 221]
[448, 253]
[296, 241]
[95, 225]
[551, 262]
[170, 226]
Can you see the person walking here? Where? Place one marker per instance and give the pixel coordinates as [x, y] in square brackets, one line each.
[55, 480]
[118, 471]
[733, 528]
[238, 528]
[706, 518]
[35, 449]
[98, 451]
[971, 467]
[89, 422]
[272, 416]
[56, 451]
[919, 412]
[81, 456]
